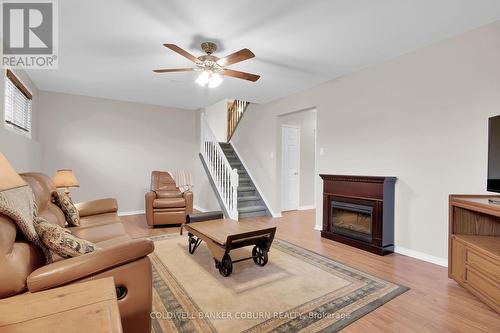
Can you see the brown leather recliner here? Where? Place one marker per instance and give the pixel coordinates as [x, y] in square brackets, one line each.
[23, 268]
[165, 203]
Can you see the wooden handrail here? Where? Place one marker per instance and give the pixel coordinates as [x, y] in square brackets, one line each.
[234, 113]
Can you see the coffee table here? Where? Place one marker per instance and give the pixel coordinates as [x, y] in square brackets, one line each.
[225, 235]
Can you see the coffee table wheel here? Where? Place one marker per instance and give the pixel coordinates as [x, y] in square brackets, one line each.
[225, 266]
[193, 244]
[259, 256]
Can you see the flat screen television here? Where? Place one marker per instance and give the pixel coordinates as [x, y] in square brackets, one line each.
[494, 154]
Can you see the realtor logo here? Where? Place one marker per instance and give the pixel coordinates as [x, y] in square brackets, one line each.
[29, 33]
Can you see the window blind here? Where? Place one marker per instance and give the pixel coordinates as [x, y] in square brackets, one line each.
[17, 105]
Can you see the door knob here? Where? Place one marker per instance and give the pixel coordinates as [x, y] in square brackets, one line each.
[295, 173]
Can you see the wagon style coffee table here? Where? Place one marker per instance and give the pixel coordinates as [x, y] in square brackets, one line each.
[222, 236]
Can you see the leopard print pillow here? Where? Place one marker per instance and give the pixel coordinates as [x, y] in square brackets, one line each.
[63, 201]
[60, 240]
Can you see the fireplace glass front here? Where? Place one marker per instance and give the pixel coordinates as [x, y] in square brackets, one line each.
[352, 220]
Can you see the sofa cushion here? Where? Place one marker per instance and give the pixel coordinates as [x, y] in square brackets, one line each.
[96, 207]
[99, 233]
[113, 241]
[169, 203]
[163, 194]
[60, 240]
[64, 202]
[100, 219]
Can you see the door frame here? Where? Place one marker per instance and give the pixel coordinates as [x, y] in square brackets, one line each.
[283, 174]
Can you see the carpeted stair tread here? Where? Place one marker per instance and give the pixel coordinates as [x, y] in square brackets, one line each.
[246, 188]
[251, 209]
[249, 198]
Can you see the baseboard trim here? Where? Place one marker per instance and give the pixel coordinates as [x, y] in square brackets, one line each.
[131, 212]
[421, 256]
[308, 207]
[200, 209]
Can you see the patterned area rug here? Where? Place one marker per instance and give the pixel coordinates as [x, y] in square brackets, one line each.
[297, 290]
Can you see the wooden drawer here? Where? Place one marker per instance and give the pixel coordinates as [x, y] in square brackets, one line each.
[488, 290]
[484, 264]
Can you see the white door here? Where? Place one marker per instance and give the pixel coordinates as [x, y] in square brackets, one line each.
[290, 138]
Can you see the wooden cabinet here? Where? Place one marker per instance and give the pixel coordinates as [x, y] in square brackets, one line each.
[474, 246]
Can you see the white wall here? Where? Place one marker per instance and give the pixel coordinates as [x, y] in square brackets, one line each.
[24, 153]
[216, 116]
[421, 117]
[306, 120]
[113, 146]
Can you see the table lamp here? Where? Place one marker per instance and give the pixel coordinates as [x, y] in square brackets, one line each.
[9, 178]
[65, 178]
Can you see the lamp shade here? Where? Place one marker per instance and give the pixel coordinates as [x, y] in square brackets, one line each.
[65, 178]
[8, 176]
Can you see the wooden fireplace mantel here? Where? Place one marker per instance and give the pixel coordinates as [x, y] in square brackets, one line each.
[376, 192]
[361, 179]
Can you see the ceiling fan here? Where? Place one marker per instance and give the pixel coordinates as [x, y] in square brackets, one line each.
[212, 67]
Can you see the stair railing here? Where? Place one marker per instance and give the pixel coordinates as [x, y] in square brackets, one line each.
[234, 113]
[225, 178]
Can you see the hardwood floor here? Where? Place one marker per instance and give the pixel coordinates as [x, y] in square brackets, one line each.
[434, 303]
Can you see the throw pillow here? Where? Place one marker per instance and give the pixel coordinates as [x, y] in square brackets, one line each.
[63, 201]
[19, 204]
[60, 240]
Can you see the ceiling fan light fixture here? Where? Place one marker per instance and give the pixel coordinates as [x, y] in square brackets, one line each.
[203, 78]
[215, 80]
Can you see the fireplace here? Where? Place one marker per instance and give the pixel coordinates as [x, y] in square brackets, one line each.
[351, 220]
[359, 211]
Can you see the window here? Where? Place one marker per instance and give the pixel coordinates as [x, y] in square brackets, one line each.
[18, 102]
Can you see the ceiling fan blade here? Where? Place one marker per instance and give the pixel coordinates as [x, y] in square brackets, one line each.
[182, 52]
[235, 57]
[173, 70]
[241, 75]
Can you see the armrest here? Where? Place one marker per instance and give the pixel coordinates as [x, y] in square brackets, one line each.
[149, 198]
[188, 195]
[76, 268]
[95, 207]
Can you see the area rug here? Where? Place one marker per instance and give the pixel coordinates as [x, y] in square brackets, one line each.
[298, 290]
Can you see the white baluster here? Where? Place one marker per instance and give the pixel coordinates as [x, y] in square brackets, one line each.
[224, 177]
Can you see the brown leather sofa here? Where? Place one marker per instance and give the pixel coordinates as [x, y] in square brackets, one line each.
[22, 267]
[165, 203]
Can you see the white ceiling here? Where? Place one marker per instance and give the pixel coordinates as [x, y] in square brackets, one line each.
[108, 48]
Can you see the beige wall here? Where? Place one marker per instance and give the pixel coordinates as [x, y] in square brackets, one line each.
[113, 146]
[421, 117]
[24, 153]
[216, 116]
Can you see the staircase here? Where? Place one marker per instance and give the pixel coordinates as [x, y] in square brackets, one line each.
[250, 203]
[236, 193]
